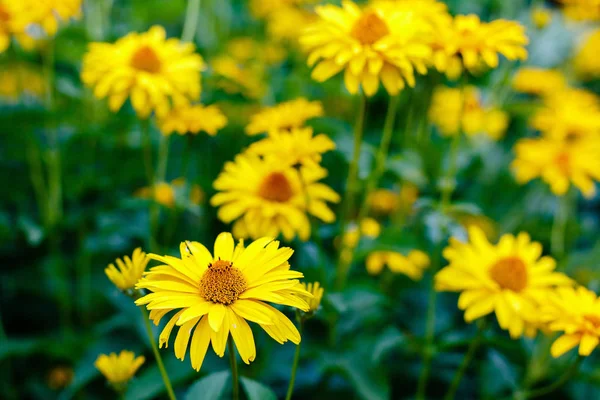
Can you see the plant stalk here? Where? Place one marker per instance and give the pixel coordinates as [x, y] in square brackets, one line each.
[290, 390]
[234, 371]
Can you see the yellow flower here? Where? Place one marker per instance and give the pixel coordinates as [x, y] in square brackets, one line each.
[44, 13]
[485, 224]
[266, 197]
[582, 10]
[119, 369]
[559, 163]
[370, 228]
[215, 296]
[154, 72]
[378, 43]
[166, 193]
[130, 270]
[21, 80]
[541, 17]
[454, 110]
[316, 290]
[246, 49]
[5, 26]
[297, 147]
[235, 77]
[469, 42]
[538, 81]
[287, 23]
[508, 278]
[576, 313]
[284, 116]
[411, 265]
[587, 62]
[192, 119]
[384, 201]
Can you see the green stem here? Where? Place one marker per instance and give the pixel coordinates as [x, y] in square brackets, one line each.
[147, 143]
[351, 189]
[565, 377]
[559, 226]
[290, 390]
[36, 174]
[466, 361]
[450, 185]
[191, 20]
[234, 372]
[159, 362]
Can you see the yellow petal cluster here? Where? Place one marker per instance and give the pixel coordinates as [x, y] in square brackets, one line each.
[587, 62]
[166, 193]
[284, 116]
[192, 119]
[212, 296]
[538, 81]
[21, 81]
[47, 14]
[511, 279]
[412, 265]
[118, 369]
[129, 270]
[581, 10]
[154, 72]
[316, 290]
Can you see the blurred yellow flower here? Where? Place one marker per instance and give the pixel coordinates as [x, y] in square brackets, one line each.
[575, 312]
[45, 13]
[215, 296]
[370, 228]
[284, 116]
[246, 49]
[587, 62]
[559, 163]
[263, 8]
[119, 369]
[297, 147]
[541, 17]
[287, 23]
[130, 270]
[21, 80]
[165, 193]
[377, 43]
[60, 377]
[266, 197]
[508, 278]
[192, 119]
[316, 290]
[454, 110]
[154, 72]
[538, 81]
[581, 10]
[411, 265]
[236, 77]
[383, 201]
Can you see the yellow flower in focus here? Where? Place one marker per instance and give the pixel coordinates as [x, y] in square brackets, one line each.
[587, 62]
[316, 290]
[384, 201]
[214, 296]
[21, 80]
[284, 116]
[119, 369]
[377, 43]
[156, 73]
[235, 77]
[575, 312]
[508, 278]
[130, 270]
[192, 119]
[268, 198]
[297, 147]
[581, 10]
[559, 163]
[538, 81]
[45, 13]
[411, 265]
[541, 17]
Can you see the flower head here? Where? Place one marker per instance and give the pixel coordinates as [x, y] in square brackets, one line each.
[384, 201]
[538, 81]
[378, 43]
[284, 116]
[266, 197]
[192, 119]
[130, 270]
[214, 295]
[21, 81]
[509, 278]
[575, 312]
[411, 265]
[167, 194]
[47, 14]
[316, 290]
[118, 369]
[587, 62]
[156, 73]
[234, 76]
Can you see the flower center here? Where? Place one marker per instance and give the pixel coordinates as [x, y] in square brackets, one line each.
[593, 319]
[510, 273]
[369, 28]
[4, 16]
[146, 59]
[276, 187]
[222, 283]
[562, 161]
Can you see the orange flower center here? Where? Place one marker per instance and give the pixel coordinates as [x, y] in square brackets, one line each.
[4, 16]
[276, 187]
[369, 28]
[593, 319]
[146, 59]
[222, 283]
[563, 162]
[510, 273]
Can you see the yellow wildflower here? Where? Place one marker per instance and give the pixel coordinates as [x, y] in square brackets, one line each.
[192, 119]
[587, 62]
[284, 116]
[411, 265]
[581, 10]
[316, 290]
[235, 77]
[46, 14]
[130, 270]
[119, 369]
[383, 201]
[538, 81]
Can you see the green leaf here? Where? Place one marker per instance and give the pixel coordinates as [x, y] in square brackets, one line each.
[211, 387]
[257, 391]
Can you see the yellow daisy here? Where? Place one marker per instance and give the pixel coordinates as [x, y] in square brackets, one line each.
[192, 119]
[377, 43]
[247, 49]
[576, 313]
[284, 116]
[265, 197]
[587, 62]
[235, 77]
[538, 81]
[287, 23]
[214, 296]
[45, 13]
[559, 163]
[130, 270]
[297, 147]
[508, 278]
[316, 290]
[581, 10]
[118, 369]
[156, 73]
[411, 265]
